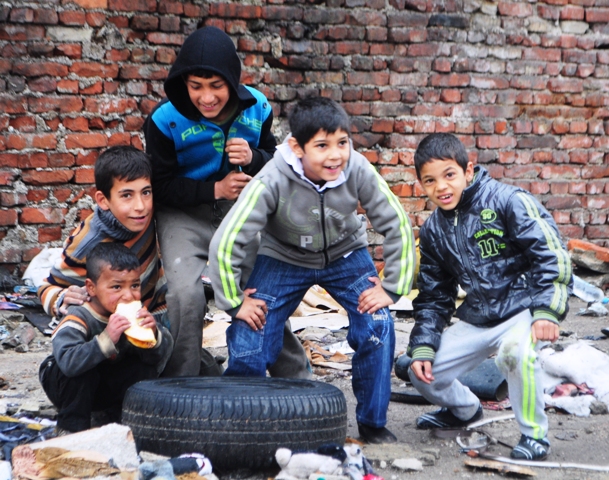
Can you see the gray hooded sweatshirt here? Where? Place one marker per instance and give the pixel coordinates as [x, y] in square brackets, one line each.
[310, 226]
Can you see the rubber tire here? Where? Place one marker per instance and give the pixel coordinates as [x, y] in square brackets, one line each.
[238, 423]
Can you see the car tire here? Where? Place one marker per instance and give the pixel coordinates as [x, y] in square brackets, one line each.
[238, 423]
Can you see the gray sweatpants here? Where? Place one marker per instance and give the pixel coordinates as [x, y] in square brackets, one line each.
[184, 238]
[465, 346]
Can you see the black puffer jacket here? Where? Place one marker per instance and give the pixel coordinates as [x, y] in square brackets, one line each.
[503, 247]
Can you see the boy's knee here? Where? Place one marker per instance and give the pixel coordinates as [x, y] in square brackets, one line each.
[511, 355]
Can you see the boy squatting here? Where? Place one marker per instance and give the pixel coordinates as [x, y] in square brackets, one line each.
[503, 248]
[93, 364]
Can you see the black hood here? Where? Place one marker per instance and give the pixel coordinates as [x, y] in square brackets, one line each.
[210, 49]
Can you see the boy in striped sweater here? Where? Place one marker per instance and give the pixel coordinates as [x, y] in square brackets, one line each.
[124, 214]
[93, 363]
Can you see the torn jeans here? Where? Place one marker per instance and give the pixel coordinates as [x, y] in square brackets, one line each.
[282, 286]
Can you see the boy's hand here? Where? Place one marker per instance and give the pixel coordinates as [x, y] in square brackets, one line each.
[74, 296]
[145, 319]
[544, 330]
[252, 311]
[374, 298]
[230, 186]
[239, 151]
[422, 370]
[117, 324]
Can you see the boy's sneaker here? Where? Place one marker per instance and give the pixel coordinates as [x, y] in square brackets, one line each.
[375, 434]
[444, 418]
[530, 449]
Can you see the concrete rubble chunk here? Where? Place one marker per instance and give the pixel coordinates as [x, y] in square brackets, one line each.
[408, 464]
[113, 440]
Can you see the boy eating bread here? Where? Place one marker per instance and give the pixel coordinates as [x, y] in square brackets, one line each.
[104, 346]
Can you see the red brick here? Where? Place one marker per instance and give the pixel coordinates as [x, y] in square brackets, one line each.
[84, 175]
[10, 255]
[69, 50]
[598, 231]
[147, 72]
[515, 9]
[168, 56]
[40, 69]
[78, 124]
[450, 80]
[37, 195]
[132, 5]
[42, 215]
[49, 234]
[8, 217]
[20, 33]
[159, 38]
[597, 15]
[166, 6]
[72, 17]
[95, 19]
[109, 106]
[601, 171]
[119, 138]
[61, 160]
[86, 140]
[46, 177]
[94, 89]
[495, 141]
[62, 104]
[90, 69]
[575, 141]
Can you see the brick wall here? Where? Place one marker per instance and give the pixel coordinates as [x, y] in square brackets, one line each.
[524, 85]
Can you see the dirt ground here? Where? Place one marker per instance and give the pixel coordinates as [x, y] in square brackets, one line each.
[583, 440]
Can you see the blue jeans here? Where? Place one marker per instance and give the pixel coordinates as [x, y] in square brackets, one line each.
[282, 286]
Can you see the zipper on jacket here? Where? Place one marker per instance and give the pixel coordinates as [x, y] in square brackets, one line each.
[323, 227]
[461, 243]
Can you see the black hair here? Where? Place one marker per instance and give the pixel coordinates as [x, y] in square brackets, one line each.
[312, 114]
[121, 163]
[201, 72]
[440, 146]
[115, 255]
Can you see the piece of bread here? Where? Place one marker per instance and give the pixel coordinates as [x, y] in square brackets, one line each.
[139, 336]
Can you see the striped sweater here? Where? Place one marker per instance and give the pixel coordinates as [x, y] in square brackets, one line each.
[102, 226]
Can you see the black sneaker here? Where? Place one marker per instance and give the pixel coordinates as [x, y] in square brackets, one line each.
[530, 449]
[375, 434]
[444, 418]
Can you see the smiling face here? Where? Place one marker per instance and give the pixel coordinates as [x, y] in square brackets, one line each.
[113, 287]
[444, 181]
[130, 202]
[324, 156]
[209, 95]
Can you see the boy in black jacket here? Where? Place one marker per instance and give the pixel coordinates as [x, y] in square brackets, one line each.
[503, 248]
[206, 141]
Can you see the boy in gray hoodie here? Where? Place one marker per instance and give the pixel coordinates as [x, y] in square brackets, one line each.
[304, 202]
[205, 140]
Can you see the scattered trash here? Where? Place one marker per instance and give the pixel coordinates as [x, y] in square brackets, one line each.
[20, 337]
[9, 306]
[498, 466]
[39, 267]
[545, 464]
[579, 363]
[588, 292]
[329, 462]
[594, 309]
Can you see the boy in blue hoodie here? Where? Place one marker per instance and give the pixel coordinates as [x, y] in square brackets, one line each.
[503, 248]
[206, 141]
